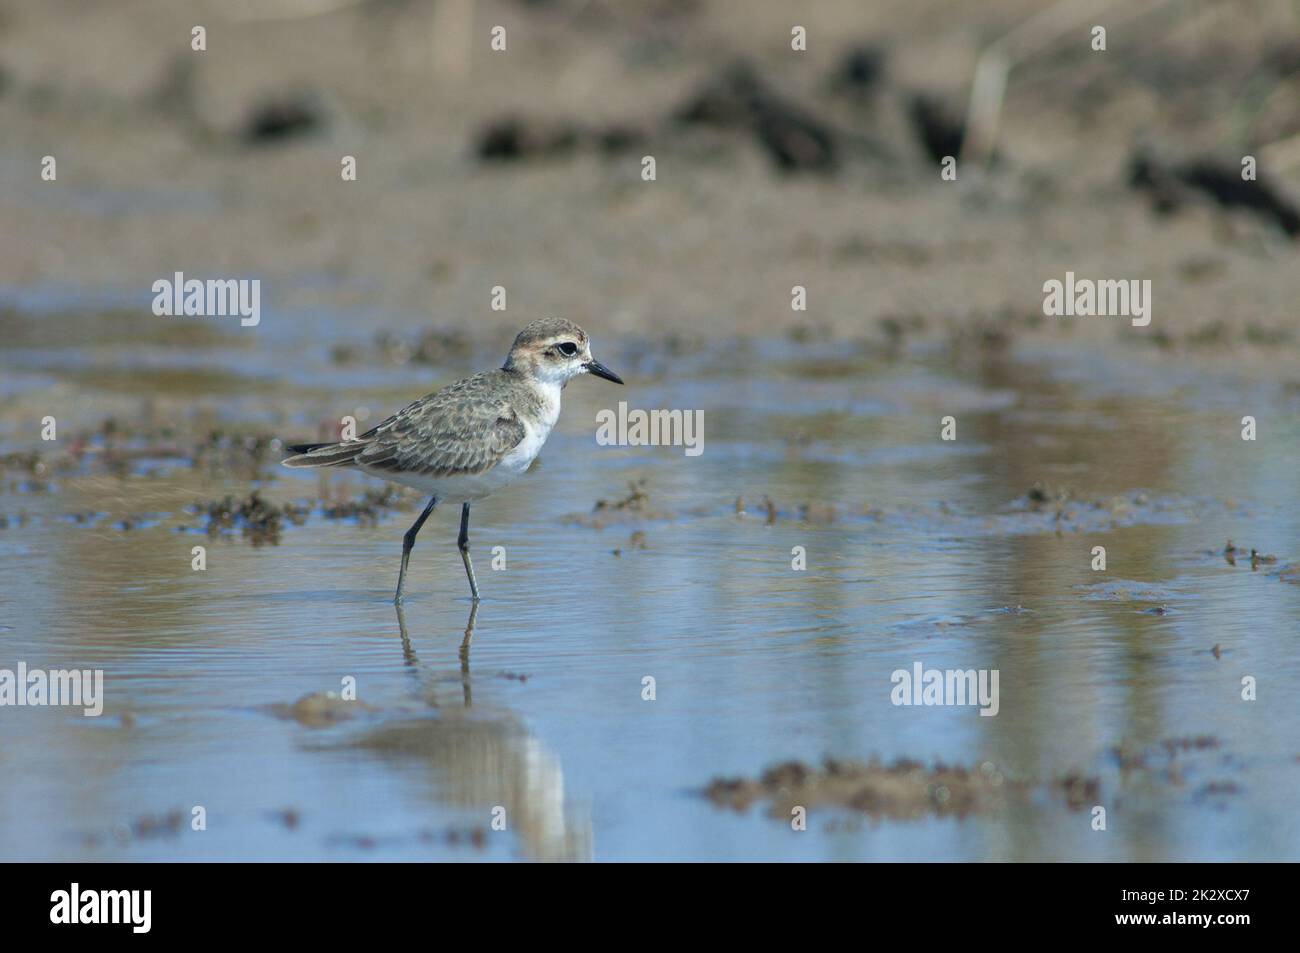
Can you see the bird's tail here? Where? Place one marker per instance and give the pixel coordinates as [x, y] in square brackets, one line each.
[323, 454]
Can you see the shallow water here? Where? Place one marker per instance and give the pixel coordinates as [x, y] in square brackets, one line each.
[918, 550]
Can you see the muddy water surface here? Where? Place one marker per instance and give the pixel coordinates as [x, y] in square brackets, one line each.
[968, 554]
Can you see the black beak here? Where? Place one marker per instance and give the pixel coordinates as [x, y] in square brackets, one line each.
[600, 370]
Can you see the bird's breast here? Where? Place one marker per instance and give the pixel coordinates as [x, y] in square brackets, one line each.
[521, 457]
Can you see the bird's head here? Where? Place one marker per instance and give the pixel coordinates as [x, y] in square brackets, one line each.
[555, 351]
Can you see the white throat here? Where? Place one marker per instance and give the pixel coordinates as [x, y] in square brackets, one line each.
[549, 391]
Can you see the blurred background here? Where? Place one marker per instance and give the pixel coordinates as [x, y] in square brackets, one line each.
[774, 168]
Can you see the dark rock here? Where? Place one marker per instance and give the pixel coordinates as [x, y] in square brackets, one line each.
[939, 128]
[860, 71]
[284, 117]
[618, 138]
[513, 138]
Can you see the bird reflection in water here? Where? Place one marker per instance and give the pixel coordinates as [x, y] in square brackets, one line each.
[478, 759]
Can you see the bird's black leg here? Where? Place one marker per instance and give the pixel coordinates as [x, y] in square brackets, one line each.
[462, 541]
[408, 541]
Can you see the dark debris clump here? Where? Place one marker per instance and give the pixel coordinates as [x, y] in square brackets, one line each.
[433, 346]
[1251, 556]
[636, 499]
[516, 138]
[369, 508]
[1173, 184]
[737, 98]
[904, 790]
[245, 456]
[259, 521]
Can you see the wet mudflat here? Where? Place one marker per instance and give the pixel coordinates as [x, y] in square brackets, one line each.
[772, 686]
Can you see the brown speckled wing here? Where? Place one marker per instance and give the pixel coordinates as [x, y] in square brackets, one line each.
[465, 428]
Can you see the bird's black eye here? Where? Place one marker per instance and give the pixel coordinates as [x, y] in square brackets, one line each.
[568, 348]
